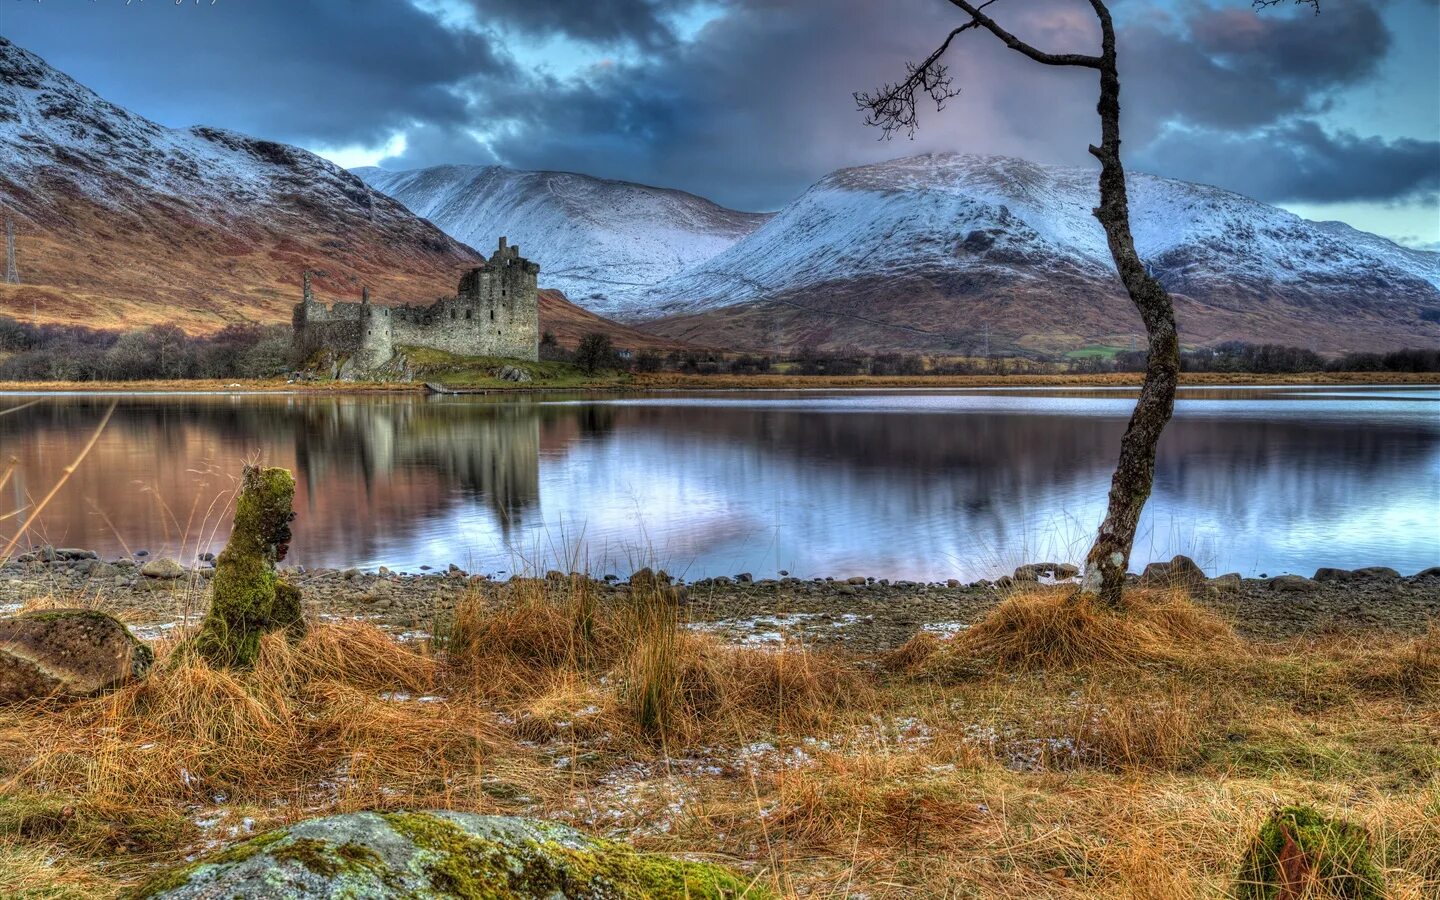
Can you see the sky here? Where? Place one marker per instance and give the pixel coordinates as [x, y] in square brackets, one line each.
[748, 102]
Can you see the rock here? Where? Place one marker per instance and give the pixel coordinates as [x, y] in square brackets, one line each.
[744, 578]
[1230, 581]
[443, 854]
[1180, 572]
[952, 582]
[1378, 572]
[99, 569]
[513, 373]
[1298, 852]
[1432, 572]
[1293, 583]
[1065, 571]
[1033, 571]
[71, 553]
[162, 568]
[1329, 574]
[70, 652]
[855, 579]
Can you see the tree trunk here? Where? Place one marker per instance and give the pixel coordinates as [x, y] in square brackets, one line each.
[1109, 556]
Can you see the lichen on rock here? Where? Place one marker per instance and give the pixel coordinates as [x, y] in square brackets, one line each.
[425, 855]
[1300, 853]
[249, 599]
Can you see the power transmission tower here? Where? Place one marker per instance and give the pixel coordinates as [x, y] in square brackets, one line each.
[12, 274]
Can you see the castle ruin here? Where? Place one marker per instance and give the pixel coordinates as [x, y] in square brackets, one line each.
[494, 313]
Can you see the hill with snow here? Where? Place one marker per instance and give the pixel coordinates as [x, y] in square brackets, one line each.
[604, 243]
[122, 222]
[934, 252]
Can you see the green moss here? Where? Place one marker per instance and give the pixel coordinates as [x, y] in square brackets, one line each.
[178, 877]
[249, 599]
[1333, 854]
[470, 867]
[329, 860]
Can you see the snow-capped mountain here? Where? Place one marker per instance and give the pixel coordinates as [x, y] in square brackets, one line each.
[936, 251]
[604, 243]
[123, 222]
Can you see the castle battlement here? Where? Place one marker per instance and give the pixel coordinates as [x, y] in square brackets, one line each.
[495, 312]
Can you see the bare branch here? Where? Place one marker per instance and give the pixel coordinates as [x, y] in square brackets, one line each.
[1263, 4]
[892, 108]
[1019, 46]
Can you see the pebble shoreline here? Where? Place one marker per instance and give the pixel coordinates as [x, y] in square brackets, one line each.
[861, 613]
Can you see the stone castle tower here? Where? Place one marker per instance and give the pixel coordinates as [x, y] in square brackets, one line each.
[495, 313]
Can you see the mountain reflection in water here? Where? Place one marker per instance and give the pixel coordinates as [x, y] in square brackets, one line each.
[918, 484]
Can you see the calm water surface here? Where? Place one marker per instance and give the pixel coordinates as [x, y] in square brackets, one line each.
[900, 484]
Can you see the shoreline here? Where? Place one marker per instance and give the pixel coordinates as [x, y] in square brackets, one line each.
[662, 382]
[865, 614]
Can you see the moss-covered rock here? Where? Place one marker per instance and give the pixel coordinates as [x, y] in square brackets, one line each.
[66, 652]
[425, 855]
[249, 599]
[1300, 853]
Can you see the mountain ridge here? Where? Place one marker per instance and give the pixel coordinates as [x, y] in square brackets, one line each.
[604, 242]
[122, 222]
[943, 251]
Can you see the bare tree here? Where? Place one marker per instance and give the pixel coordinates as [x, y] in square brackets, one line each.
[892, 108]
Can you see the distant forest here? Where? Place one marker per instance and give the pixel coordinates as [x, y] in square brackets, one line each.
[165, 352]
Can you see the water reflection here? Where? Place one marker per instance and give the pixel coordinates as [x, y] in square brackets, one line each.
[926, 484]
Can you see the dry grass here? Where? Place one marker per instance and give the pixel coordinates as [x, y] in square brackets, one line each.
[1057, 628]
[1070, 772]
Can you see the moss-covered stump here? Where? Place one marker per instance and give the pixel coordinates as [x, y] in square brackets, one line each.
[1300, 853]
[249, 599]
[424, 855]
[66, 652]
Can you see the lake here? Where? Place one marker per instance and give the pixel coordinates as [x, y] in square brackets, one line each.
[912, 484]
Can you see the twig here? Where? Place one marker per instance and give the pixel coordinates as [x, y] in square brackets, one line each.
[64, 477]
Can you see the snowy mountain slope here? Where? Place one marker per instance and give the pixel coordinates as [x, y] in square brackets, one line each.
[947, 243]
[123, 222]
[604, 243]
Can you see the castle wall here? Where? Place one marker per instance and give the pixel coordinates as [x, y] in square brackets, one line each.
[495, 313]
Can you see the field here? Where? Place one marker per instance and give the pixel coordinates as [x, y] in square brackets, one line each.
[1052, 749]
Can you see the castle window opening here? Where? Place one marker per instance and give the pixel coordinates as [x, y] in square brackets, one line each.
[469, 313]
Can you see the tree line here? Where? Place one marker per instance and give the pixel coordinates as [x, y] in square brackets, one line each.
[160, 352]
[1233, 356]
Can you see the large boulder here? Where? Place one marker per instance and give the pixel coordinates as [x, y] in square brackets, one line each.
[66, 652]
[1180, 572]
[444, 854]
[1293, 583]
[163, 569]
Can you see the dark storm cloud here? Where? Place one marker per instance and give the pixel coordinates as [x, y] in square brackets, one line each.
[756, 104]
[1299, 161]
[333, 72]
[1233, 68]
[643, 22]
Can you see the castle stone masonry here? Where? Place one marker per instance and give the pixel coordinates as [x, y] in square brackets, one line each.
[495, 313]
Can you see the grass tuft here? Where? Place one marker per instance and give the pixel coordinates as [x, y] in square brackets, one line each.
[1057, 628]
